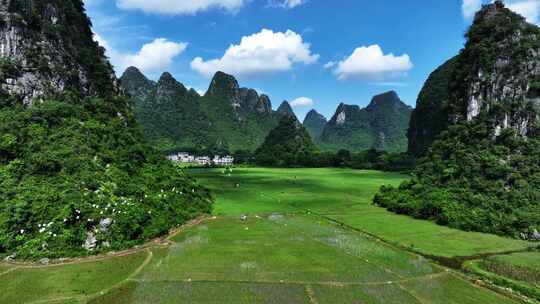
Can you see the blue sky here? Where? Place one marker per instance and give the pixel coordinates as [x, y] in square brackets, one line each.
[317, 52]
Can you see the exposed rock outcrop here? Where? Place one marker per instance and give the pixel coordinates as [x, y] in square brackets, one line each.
[47, 48]
[243, 100]
[497, 73]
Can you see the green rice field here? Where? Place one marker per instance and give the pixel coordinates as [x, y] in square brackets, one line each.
[309, 236]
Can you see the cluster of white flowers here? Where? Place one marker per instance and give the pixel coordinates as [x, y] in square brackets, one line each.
[43, 228]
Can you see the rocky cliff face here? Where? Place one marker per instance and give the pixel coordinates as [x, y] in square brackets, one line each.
[243, 100]
[497, 74]
[314, 123]
[381, 125]
[505, 78]
[48, 48]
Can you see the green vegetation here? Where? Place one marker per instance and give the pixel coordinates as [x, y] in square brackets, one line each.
[76, 178]
[174, 118]
[481, 172]
[314, 124]
[280, 254]
[530, 260]
[343, 195]
[439, 289]
[205, 292]
[287, 145]
[430, 116]
[66, 168]
[382, 125]
[518, 271]
[289, 259]
[473, 182]
[28, 284]
[519, 266]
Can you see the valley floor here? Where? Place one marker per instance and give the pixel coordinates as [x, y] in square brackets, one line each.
[311, 236]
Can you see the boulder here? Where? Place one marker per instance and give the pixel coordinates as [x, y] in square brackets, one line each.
[91, 241]
[104, 224]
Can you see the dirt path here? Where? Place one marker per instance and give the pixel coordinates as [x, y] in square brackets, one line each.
[104, 291]
[8, 271]
[158, 242]
[129, 278]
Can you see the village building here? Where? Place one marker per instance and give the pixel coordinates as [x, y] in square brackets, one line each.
[183, 157]
[223, 160]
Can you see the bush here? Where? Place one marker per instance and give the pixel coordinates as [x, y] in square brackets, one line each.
[474, 181]
[67, 166]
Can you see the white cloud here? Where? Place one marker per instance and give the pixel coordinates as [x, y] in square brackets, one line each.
[371, 63]
[153, 56]
[302, 102]
[530, 9]
[179, 7]
[265, 52]
[470, 7]
[286, 3]
[330, 65]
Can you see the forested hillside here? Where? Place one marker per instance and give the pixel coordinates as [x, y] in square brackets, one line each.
[289, 144]
[381, 125]
[314, 123]
[226, 118]
[76, 177]
[481, 173]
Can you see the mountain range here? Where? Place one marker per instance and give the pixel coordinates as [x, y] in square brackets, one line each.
[226, 117]
[381, 125]
[230, 118]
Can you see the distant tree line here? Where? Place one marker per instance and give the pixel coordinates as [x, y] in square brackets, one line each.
[366, 160]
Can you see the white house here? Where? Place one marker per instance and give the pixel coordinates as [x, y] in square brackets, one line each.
[182, 157]
[223, 161]
[203, 160]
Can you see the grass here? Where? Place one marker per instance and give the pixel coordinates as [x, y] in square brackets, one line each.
[204, 293]
[521, 268]
[529, 260]
[369, 294]
[275, 249]
[286, 259]
[449, 289]
[4, 268]
[25, 285]
[281, 254]
[501, 271]
[343, 195]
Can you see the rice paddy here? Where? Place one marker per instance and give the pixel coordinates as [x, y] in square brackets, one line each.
[302, 241]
